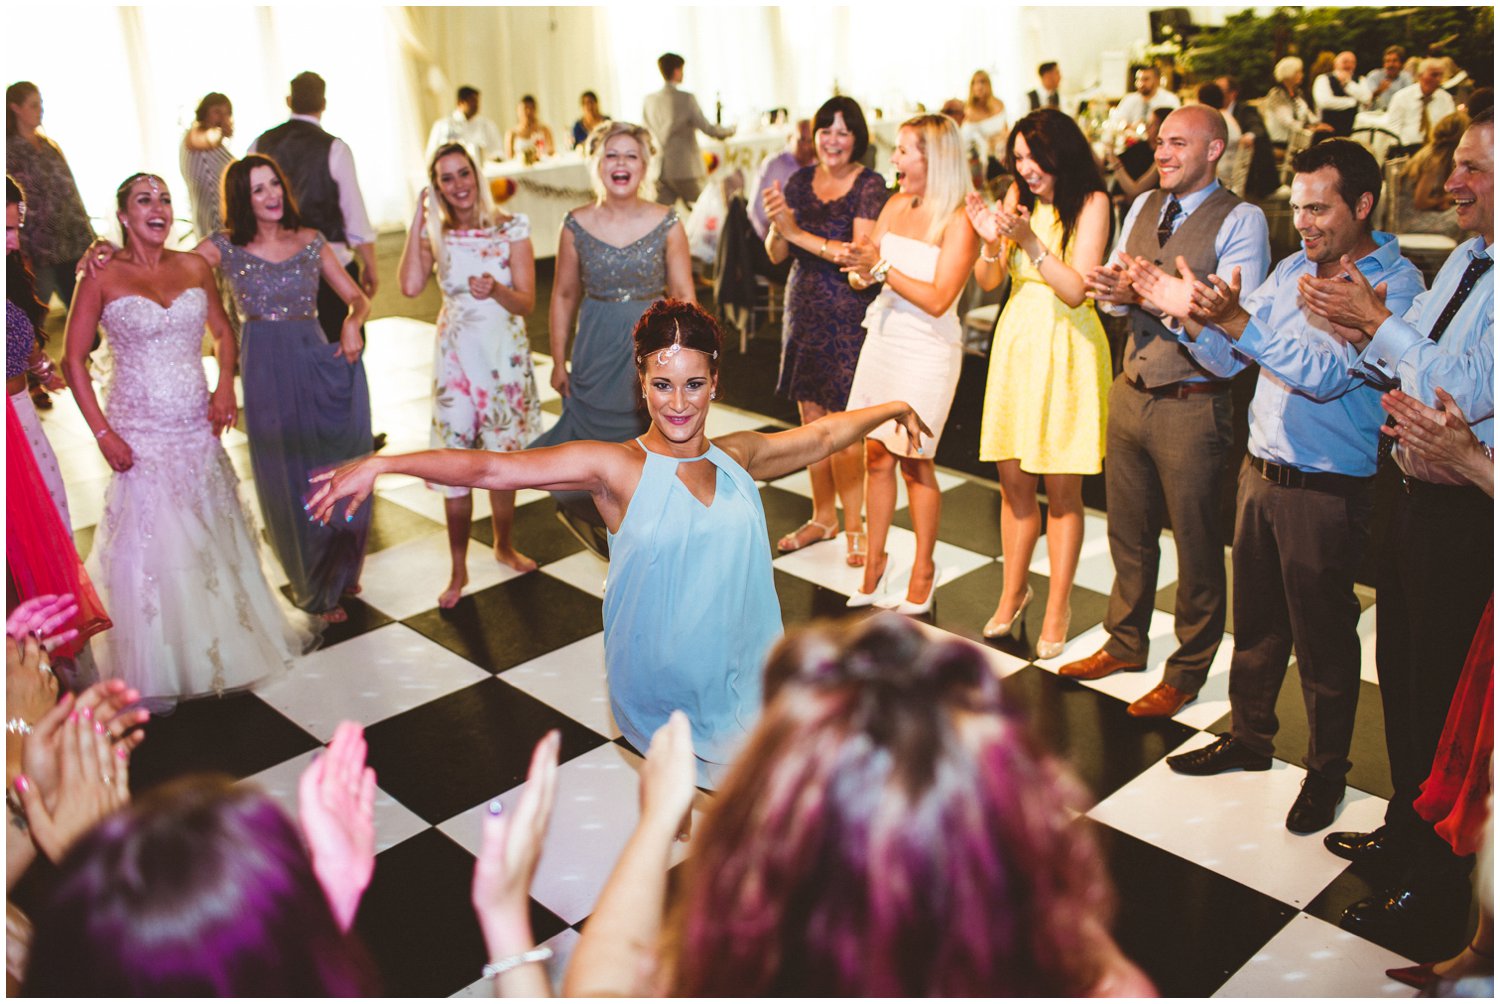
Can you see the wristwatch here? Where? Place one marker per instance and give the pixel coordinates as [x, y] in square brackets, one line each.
[881, 270]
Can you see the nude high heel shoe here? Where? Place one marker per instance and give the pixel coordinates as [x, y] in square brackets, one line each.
[995, 628]
[1052, 649]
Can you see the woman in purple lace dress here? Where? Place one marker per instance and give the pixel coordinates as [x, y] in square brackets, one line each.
[823, 209]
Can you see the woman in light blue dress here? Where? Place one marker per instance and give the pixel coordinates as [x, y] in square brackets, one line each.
[690, 610]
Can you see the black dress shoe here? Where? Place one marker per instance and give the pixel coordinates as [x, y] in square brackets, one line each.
[1227, 753]
[1408, 912]
[1315, 805]
[379, 442]
[1377, 847]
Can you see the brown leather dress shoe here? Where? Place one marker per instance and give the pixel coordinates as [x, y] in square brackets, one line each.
[1097, 667]
[1163, 701]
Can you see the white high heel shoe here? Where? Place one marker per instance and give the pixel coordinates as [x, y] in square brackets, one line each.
[910, 609]
[859, 598]
[996, 628]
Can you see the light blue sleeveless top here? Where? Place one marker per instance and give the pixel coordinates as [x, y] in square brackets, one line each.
[690, 609]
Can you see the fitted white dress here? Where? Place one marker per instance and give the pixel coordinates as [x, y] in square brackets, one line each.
[908, 354]
[174, 559]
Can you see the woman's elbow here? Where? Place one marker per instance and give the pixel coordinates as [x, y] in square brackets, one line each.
[411, 289]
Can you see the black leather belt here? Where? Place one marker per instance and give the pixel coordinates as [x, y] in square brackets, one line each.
[1181, 389]
[1427, 489]
[1318, 481]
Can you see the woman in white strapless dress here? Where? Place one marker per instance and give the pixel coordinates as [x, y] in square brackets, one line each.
[173, 557]
[913, 345]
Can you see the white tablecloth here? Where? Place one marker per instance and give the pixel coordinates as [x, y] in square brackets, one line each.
[545, 192]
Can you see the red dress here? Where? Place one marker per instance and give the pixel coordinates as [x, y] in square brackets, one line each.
[39, 550]
[1454, 795]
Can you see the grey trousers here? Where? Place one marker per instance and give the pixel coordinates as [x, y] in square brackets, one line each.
[669, 190]
[1296, 552]
[1164, 458]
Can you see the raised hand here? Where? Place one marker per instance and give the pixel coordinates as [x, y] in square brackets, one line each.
[1014, 224]
[481, 286]
[981, 218]
[30, 685]
[668, 780]
[336, 805]
[353, 481]
[777, 211]
[1111, 283]
[915, 428]
[513, 843]
[45, 617]
[1439, 435]
[1171, 295]
[1215, 301]
[1348, 300]
[92, 782]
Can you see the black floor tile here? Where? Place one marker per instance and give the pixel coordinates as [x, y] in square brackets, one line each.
[537, 533]
[417, 921]
[1369, 770]
[1189, 928]
[970, 518]
[1106, 747]
[513, 622]
[785, 512]
[964, 605]
[237, 735]
[1427, 942]
[802, 601]
[392, 523]
[363, 618]
[461, 749]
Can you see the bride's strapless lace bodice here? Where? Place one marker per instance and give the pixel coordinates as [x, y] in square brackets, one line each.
[156, 386]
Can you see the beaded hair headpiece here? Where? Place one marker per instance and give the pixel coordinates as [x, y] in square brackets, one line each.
[671, 350]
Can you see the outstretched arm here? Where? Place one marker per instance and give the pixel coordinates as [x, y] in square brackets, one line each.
[770, 456]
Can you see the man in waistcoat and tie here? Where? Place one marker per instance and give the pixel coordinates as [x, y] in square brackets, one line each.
[320, 169]
[1168, 436]
[1435, 569]
[1047, 95]
[1307, 486]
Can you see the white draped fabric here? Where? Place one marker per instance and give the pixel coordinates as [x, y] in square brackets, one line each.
[120, 84]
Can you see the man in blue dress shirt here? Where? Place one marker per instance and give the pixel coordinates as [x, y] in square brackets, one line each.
[1306, 489]
[1436, 567]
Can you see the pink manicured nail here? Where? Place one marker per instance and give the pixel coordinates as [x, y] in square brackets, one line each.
[86, 712]
[98, 728]
[21, 783]
[73, 717]
[121, 753]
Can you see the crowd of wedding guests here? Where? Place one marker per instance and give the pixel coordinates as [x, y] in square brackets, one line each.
[1365, 369]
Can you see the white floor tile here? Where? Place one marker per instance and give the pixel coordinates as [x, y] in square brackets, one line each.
[584, 570]
[597, 807]
[824, 565]
[1095, 543]
[368, 679]
[1367, 645]
[562, 944]
[404, 580]
[1235, 824]
[1310, 957]
[399, 343]
[83, 462]
[394, 822]
[86, 501]
[570, 679]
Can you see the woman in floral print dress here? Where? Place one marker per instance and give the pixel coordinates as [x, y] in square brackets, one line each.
[484, 392]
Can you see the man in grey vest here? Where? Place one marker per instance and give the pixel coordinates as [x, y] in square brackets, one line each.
[1168, 437]
[1307, 486]
[320, 169]
[674, 118]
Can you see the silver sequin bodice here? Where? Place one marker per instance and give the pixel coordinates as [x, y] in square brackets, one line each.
[157, 389]
[272, 290]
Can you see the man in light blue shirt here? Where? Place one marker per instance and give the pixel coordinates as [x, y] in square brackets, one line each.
[1170, 431]
[1306, 491]
[1390, 78]
[1435, 569]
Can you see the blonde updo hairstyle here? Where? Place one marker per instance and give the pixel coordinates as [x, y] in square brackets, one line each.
[593, 149]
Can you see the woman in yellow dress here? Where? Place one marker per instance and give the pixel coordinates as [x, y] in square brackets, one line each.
[1045, 402]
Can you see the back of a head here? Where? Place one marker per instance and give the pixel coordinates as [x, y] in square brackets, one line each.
[669, 63]
[1212, 95]
[201, 888]
[308, 94]
[888, 830]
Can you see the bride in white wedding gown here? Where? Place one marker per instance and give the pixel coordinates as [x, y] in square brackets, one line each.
[173, 558]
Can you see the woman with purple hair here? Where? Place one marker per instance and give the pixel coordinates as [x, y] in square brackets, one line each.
[890, 829]
[205, 887]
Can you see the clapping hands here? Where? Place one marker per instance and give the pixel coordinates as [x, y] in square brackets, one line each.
[777, 211]
[336, 804]
[92, 781]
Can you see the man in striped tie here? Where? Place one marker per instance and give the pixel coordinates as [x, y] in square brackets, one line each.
[1436, 565]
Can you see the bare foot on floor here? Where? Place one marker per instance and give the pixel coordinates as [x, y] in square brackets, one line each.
[354, 590]
[335, 616]
[512, 558]
[449, 597]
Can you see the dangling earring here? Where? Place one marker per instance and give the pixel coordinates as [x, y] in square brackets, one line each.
[712, 394]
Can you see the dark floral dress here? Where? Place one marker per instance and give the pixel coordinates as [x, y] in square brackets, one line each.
[824, 315]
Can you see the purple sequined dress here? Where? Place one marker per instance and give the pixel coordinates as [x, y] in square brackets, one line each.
[824, 315]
